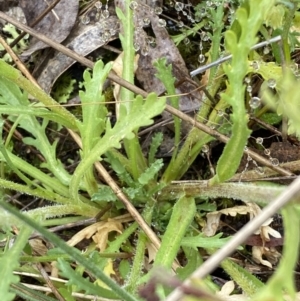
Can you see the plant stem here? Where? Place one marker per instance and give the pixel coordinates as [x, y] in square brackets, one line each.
[181, 218]
[249, 192]
[285, 32]
[194, 142]
[132, 147]
[248, 282]
[218, 15]
[37, 174]
[138, 262]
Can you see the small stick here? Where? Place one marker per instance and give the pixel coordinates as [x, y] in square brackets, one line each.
[53, 11]
[49, 282]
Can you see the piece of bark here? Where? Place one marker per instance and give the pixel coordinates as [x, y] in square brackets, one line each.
[56, 25]
[83, 39]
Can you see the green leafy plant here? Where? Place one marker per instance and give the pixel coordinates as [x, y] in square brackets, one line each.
[239, 46]
[12, 34]
[144, 179]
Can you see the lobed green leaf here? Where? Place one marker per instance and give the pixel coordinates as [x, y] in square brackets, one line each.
[141, 114]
